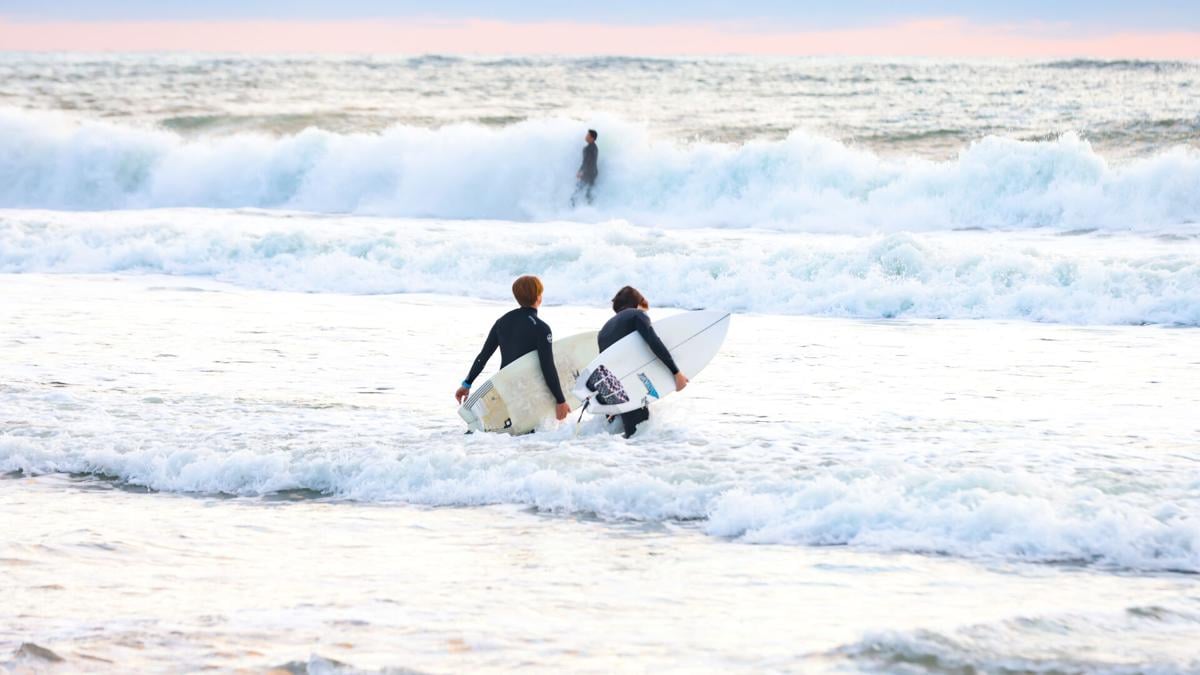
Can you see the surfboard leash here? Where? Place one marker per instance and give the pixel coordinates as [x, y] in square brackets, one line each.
[586, 402]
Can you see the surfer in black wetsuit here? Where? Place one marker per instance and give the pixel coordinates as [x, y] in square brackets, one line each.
[630, 307]
[587, 169]
[516, 334]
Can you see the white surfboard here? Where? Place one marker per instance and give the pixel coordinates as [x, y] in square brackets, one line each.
[516, 400]
[693, 338]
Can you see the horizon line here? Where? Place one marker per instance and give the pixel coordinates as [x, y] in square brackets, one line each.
[950, 37]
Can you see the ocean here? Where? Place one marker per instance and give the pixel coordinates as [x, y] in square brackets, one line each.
[953, 428]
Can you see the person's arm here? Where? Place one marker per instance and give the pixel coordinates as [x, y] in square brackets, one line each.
[545, 350]
[489, 347]
[642, 322]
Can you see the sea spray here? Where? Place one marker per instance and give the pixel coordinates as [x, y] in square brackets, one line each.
[525, 172]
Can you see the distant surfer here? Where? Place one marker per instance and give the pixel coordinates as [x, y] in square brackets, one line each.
[516, 334]
[587, 168]
[630, 307]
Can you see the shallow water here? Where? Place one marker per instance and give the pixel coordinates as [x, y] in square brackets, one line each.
[107, 578]
[953, 428]
[924, 494]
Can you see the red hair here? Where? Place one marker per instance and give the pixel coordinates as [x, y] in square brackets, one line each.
[527, 290]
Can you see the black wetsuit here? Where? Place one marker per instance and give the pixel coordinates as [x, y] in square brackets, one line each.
[588, 170]
[516, 334]
[625, 322]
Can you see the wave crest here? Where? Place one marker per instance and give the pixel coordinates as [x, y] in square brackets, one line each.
[524, 172]
[883, 506]
[962, 275]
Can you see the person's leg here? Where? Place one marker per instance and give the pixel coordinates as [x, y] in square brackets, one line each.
[588, 194]
[632, 419]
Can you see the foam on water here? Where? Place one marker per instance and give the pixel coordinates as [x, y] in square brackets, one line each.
[524, 172]
[1077, 279]
[834, 187]
[879, 504]
[1153, 639]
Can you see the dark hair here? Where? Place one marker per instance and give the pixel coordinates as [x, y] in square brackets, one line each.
[527, 290]
[628, 298]
[594, 134]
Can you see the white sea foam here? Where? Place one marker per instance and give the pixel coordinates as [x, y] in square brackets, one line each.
[525, 172]
[880, 505]
[844, 444]
[977, 440]
[1154, 639]
[1079, 279]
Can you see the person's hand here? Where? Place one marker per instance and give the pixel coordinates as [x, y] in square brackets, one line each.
[578, 175]
[681, 381]
[561, 411]
[462, 394]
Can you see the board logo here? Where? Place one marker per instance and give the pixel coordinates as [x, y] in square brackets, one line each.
[649, 385]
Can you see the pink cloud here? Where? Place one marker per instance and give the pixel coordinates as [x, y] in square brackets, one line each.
[931, 37]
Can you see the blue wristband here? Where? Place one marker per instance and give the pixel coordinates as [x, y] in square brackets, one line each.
[466, 385]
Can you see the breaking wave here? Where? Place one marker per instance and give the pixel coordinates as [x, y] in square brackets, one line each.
[876, 505]
[525, 172]
[1078, 279]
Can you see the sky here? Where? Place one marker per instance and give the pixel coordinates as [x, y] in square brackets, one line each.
[1015, 28]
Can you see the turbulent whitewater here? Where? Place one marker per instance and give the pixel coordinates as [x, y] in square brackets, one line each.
[1031, 275]
[960, 392]
[972, 439]
[523, 172]
[872, 189]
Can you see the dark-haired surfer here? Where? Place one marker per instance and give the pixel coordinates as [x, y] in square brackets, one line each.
[587, 169]
[630, 307]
